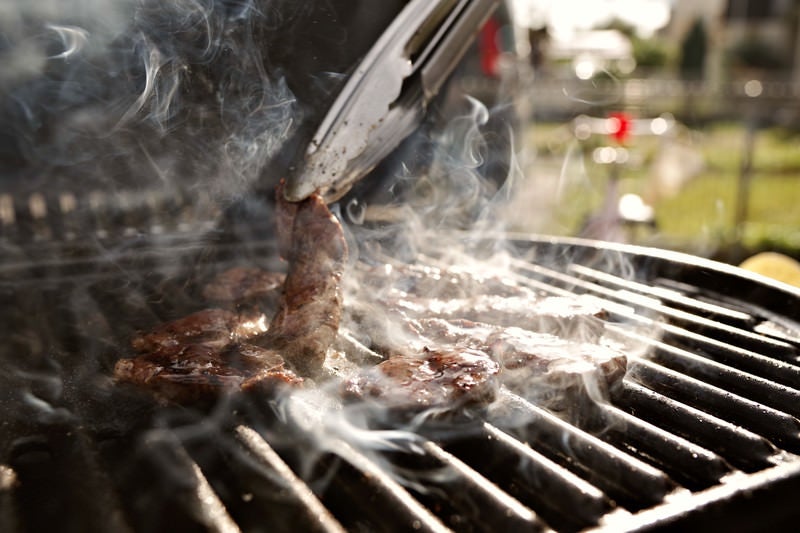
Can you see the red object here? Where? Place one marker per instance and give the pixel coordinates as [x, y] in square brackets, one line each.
[490, 47]
[619, 126]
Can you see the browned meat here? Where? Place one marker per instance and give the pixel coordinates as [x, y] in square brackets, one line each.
[284, 222]
[310, 307]
[245, 286]
[539, 365]
[200, 371]
[214, 328]
[204, 353]
[433, 282]
[578, 317]
[392, 325]
[210, 327]
[442, 378]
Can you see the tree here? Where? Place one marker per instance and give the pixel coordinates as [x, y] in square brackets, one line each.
[693, 51]
[649, 53]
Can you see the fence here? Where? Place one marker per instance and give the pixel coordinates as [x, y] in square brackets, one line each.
[776, 102]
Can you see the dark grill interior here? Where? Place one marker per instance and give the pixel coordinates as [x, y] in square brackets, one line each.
[702, 433]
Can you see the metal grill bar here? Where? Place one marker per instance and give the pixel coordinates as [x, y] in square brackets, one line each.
[477, 501]
[739, 446]
[732, 354]
[211, 512]
[717, 312]
[775, 425]
[48, 216]
[399, 509]
[748, 385]
[627, 480]
[8, 484]
[190, 489]
[773, 394]
[563, 499]
[55, 472]
[764, 500]
[737, 336]
[319, 518]
[684, 461]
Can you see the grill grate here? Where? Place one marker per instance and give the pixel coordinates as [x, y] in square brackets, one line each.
[703, 429]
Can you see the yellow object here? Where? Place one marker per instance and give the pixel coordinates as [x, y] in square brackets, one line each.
[774, 265]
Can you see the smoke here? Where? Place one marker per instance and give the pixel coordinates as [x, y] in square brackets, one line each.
[190, 95]
[459, 189]
[125, 94]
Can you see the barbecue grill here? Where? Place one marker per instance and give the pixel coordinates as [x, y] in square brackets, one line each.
[703, 431]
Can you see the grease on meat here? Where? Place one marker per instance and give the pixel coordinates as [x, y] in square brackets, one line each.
[444, 378]
[199, 371]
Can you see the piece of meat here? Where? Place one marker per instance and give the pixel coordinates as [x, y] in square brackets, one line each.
[211, 327]
[403, 279]
[240, 287]
[205, 353]
[432, 379]
[550, 369]
[580, 317]
[560, 375]
[200, 371]
[310, 307]
[214, 328]
[388, 326]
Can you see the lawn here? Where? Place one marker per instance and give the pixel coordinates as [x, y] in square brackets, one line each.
[700, 215]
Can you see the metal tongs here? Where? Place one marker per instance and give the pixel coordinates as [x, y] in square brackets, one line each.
[385, 98]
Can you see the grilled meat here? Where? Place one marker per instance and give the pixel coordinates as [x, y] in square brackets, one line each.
[538, 365]
[214, 328]
[240, 287]
[201, 371]
[408, 279]
[423, 336]
[393, 324]
[441, 378]
[310, 306]
[446, 335]
[207, 351]
[578, 317]
[401, 291]
[551, 369]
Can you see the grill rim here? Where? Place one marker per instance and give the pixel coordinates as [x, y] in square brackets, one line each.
[659, 261]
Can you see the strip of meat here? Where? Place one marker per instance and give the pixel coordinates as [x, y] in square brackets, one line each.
[245, 286]
[199, 371]
[310, 307]
[204, 353]
[213, 328]
[432, 379]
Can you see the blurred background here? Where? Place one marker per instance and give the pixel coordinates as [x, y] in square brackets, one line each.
[671, 123]
[668, 123]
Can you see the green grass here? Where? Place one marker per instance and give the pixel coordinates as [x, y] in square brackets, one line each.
[775, 150]
[701, 217]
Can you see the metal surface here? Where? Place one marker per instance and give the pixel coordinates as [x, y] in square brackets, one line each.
[385, 98]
